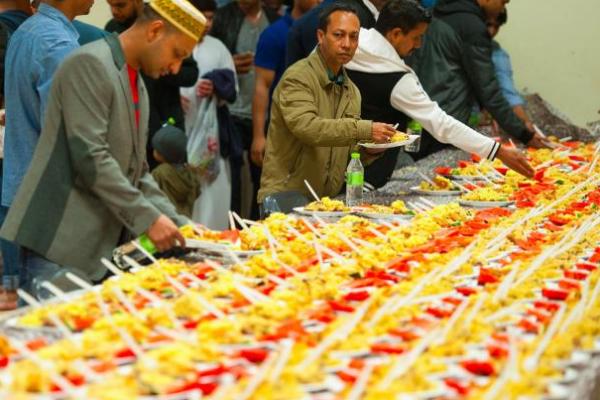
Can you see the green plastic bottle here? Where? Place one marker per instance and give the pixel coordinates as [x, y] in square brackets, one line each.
[355, 175]
[147, 244]
[414, 128]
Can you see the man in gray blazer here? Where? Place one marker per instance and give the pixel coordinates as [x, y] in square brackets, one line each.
[88, 188]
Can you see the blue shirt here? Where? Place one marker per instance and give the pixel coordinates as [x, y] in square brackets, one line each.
[504, 74]
[302, 36]
[34, 53]
[428, 3]
[88, 33]
[270, 50]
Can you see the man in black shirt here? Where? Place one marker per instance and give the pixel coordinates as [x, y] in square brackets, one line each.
[124, 14]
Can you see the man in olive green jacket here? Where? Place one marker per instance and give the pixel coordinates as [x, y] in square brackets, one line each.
[315, 114]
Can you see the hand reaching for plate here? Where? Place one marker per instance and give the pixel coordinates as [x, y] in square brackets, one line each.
[382, 133]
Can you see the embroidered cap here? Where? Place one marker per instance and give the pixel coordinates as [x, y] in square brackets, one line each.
[182, 14]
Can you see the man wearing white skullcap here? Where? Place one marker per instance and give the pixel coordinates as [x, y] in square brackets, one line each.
[88, 188]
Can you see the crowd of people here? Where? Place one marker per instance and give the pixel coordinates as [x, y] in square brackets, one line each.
[180, 111]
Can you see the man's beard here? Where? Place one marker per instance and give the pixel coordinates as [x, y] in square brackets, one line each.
[129, 21]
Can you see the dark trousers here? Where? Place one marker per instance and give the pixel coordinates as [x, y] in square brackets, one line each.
[243, 127]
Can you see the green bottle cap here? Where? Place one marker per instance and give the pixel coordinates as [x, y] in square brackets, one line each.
[147, 244]
[474, 119]
[171, 121]
[414, 125]
[355, 156]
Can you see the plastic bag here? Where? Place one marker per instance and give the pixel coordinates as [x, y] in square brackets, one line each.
[203, 140]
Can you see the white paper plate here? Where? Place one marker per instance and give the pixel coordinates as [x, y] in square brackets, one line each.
[418, 190]
[411, 138]
[484, 204]
[302, 210]
[469, 177]
[206, 245]
[218, 248]
[366, 214]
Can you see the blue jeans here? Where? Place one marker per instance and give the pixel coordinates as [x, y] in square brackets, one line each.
[10, 252]
[36, 270]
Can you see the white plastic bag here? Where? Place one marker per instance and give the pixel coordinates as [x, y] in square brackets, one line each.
[203, 140]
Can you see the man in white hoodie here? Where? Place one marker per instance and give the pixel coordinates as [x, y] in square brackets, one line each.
[391, 91]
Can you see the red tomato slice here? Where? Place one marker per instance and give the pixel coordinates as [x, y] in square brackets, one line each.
[502, 170]
[497, 350]
[267, 288]
[36, 344]
[439, 312]
[586, 266]
[356, 363]
[340, 306]
[347, 376]
[529, 326]
[76, 379]
[540, 314]
[462, 388]
[214, 371]
[466, 290]
[539, 174]
[254, 355]
[103, 366]
[577, 274]
[230, 235]
[501, 337]
[551, 227]
[406, 334]
[558, 220]
[443, 170]
[569, 284]
[360, 295]
[201, 270]
[125, 352]
[595, 258]
[205, 387]
[546, 305]
[388, 348]
[487, 276]
[485, 368]
[452, 300]
[83, 322]
[399, 264]
[555, 294]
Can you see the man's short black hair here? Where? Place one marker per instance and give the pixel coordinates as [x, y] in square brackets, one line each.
[330, 9]
[204, 5]
[403, 14]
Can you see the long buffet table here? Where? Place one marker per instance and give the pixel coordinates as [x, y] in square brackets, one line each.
[453, 303]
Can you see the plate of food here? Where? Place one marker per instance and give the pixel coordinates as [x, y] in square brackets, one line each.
[221, 242]
[468, 171]
[398, 140]
[485, 204]
[377, 211]
[439, 186]
[484, 198]
[325, 207]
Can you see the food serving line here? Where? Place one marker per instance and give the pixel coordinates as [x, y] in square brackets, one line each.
[451, 302]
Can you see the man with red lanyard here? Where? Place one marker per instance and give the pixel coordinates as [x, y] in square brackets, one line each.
[88, 188]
